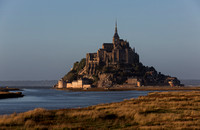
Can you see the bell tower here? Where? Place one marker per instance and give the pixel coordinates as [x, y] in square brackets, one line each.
[116, 36]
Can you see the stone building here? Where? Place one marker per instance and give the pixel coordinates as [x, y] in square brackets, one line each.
[173, 81]
[61, 84]
[133, 81]
[117, 52]
[79, 84]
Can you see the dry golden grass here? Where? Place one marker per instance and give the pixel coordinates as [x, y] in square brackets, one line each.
[157, 110]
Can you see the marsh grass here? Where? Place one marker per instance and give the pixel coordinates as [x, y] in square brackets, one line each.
[157, 110]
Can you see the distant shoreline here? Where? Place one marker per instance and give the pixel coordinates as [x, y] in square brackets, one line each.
[145, 88]
[6, 89]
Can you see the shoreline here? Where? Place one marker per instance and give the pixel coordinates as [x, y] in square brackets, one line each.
[7, 89]
[145, 88]
[5, 93]
[157, 110]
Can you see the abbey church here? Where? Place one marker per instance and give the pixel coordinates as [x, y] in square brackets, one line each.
[113, 53]
[116, 64]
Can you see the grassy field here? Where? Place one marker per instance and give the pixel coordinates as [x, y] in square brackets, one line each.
[157, 110]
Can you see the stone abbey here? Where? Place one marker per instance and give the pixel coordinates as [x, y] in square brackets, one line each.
[117, 52]
[114, 65]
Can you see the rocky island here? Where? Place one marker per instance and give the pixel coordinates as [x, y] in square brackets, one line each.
[115, 65]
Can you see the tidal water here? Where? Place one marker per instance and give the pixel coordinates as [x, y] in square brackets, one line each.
[57, 99]
[39, 94]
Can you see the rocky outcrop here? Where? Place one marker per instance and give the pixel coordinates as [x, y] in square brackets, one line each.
[120, 74]
[105, 80]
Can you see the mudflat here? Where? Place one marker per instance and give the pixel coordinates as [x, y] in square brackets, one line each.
[6, 89]
[10, 95]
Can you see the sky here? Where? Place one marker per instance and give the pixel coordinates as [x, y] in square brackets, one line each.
[41, 39]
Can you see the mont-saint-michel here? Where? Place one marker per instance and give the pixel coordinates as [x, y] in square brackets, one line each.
[116, 83]
[115, 65]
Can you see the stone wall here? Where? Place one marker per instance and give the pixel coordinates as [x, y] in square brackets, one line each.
[78, 84]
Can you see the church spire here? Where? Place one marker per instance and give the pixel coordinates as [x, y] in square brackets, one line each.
[116, 36]
[116, 26]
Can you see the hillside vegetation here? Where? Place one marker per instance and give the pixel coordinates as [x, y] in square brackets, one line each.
[157, 110]
[73, 74]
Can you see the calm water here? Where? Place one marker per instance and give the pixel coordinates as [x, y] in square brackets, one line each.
[39, 94]
[57, 99]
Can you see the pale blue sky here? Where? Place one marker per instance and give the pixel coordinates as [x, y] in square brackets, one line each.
[41, 39]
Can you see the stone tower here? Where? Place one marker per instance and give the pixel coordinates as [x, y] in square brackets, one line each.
[116, 36]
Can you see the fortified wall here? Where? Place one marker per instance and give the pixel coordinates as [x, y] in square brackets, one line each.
[75, 84]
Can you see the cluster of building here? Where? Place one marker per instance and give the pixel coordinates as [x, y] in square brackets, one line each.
[81, 83]
[113, 53]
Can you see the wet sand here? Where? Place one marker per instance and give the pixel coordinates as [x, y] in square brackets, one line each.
[4, 95]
